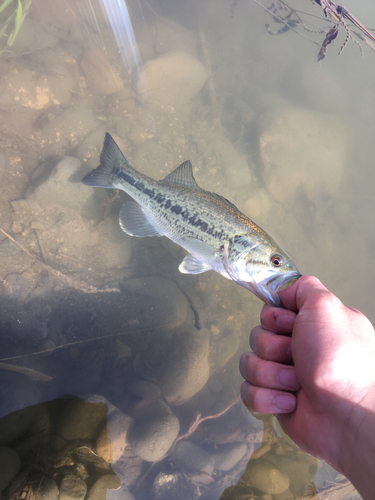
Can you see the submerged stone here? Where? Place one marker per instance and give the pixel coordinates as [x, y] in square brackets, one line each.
[153, 431]
[174, 486]
[265, 477]
[112, 439]
[228, 455]
[192, 458]
[172, 79]
[10, 464]
[302, 149]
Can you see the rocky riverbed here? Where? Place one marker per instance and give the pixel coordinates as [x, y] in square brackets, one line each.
[118, 375]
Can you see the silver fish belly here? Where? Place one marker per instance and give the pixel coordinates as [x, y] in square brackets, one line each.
[216, 234]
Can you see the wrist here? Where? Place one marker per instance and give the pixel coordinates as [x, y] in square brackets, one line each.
[357, 451]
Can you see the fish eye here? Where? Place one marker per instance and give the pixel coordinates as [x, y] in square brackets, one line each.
[277, 260]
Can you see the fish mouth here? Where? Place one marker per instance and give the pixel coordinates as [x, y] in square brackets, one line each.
[268, 290]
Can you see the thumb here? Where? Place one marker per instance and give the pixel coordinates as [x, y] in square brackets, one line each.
[295, 296]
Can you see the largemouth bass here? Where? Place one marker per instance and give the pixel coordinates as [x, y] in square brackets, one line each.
[214, 232]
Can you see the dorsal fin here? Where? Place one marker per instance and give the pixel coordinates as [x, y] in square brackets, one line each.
[182, 175]
[224, 200]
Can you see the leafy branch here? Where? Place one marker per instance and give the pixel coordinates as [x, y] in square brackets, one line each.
[292, 20]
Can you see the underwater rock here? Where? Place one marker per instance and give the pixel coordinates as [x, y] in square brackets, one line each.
[59, 189]
[121, 494]
[101, 76]
[148, 308]
[180, 370]
[153, 431]
[31, 38]
[72, 488]
[227, 456]
[302, 149]
[172, 79]
[173, 486]
[128, 468]
[144, 389]
[260, 204]
[8, 248]
[265, 477]
[192, 458]
[172, 36]
[90, 146]
[16, 284]
[98, 490]
[81, 420]
[35, 93]
[234, 164]
[10, 464]
[222, 350]
[299, 468]
[112, 439]
[65, 130]
[14, 425]
[67, 22]
[325, 93]
[47, 489]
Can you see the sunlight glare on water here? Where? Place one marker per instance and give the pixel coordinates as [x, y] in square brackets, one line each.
[121, 26]
[126, 376]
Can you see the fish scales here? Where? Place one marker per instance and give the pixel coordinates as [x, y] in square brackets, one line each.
[171, 207]
[215, 233]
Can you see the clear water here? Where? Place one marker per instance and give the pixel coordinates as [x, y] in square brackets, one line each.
[290, 142]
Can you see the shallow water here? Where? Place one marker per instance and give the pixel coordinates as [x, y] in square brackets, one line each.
[108, 316]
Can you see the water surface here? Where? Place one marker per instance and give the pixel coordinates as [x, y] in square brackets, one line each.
[109, 317]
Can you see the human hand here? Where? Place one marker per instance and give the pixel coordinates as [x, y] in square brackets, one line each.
[321, 380]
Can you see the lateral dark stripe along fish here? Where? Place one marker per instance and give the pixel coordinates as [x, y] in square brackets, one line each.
[214, 232]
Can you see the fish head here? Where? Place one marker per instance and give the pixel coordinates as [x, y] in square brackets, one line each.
[255, 261]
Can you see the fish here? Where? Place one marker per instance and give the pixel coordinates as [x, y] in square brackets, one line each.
[216, 235]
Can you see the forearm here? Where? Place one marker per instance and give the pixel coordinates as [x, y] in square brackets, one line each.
[357, 454]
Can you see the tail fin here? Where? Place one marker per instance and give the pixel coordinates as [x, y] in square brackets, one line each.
[105, 174]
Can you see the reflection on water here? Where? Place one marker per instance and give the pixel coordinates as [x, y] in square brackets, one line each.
[108, 317]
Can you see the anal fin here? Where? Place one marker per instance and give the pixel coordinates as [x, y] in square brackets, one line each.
[134, 221]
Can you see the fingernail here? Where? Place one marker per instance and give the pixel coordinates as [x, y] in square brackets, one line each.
[244, 388]
[243, 360]
[254, 341]
[288, 379]
[285, 402]
[261, 314]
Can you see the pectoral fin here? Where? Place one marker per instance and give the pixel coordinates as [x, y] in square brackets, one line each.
[134, 221]
[191, 265]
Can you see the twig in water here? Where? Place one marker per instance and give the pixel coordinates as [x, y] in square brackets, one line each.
[291, 19]
[198, 421]
[85, 341]
[25, 371]
[210, 80]
[190, 302]
[41, 246]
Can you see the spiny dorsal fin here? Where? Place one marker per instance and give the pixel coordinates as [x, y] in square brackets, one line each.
[182, 175]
